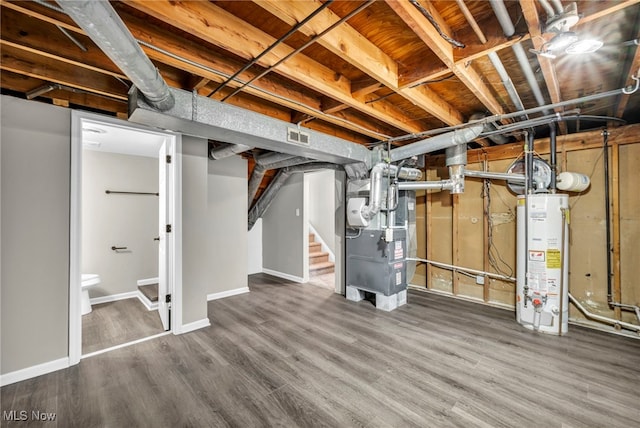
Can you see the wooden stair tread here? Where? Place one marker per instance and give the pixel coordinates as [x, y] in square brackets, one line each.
[150, 291]
[321, 265]
[318, 253]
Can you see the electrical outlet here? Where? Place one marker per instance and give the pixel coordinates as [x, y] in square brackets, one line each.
[480, 280]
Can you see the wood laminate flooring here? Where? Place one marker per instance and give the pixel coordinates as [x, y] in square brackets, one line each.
[115, 323]
[292, 355]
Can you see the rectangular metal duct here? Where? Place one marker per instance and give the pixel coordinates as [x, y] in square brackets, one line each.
[204, 117]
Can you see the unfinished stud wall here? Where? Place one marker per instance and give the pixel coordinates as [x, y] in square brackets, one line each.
[477, 229]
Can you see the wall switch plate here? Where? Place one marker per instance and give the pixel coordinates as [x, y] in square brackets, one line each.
[480, 280]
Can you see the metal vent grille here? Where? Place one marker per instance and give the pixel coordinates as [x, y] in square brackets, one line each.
[295, 136]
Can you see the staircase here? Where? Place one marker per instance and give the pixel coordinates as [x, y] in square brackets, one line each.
[319, 263]
[149, 295]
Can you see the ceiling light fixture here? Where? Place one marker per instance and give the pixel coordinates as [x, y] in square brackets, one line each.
[584, 46]
[561, 41]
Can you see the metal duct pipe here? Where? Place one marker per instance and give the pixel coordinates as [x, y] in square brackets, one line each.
[509, 30]
[450, 139]
[547, 8]
[257, 175]
[269, 195]
[513, 178]
[521, 55]
[227, 150]
[504, 19]
[456, 160]
[426, 185]
[489, 127]
[558, 5]
[375, 191]
[101, 22]
[506, 81]
[266, 164]
[271, 158]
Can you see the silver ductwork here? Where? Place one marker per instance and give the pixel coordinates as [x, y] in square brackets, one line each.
[227, 150]
[270, 193]
[204, 117]
[512, 178]
[101, 22]
[369, 211]
[443, 141]
[266, 163]
[489, 127]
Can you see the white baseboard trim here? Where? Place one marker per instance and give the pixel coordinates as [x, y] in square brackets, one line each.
[33, 371]
[283, 275]
[147, 281]
[114, 297]
[196, 325]
[228, 293]
[151, 306]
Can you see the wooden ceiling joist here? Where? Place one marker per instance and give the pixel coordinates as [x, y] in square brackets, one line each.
[351, 46]
[244, 40]
[444, 50]
[47, 40]
[634, 70]
[33, 65]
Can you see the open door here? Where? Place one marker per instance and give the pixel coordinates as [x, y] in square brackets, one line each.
[164, 232]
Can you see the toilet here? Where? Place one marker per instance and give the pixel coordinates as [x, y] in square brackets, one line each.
[88, 280]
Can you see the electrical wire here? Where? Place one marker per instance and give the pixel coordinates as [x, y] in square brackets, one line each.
[435, 24]
[496, 261]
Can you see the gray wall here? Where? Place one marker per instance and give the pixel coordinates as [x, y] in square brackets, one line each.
[194, 225]
[35, 170]
[321, 204]
[340, 225]
[283, 230]
[255, 248]
[227, 224]
[35, 175]
[122, 220]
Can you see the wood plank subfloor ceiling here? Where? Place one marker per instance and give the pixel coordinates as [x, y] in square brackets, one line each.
[297, 355]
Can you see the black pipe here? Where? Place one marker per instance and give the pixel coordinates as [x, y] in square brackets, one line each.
[607, 214]
[281, 40]
[301, 48]
[552, 156]
[529, 160]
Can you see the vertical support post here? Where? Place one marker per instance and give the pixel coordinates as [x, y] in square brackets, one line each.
[455, 201]
[615, 205]
[485, 231]
[428, 227]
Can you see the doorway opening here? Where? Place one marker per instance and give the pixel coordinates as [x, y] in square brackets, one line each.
[123, 246]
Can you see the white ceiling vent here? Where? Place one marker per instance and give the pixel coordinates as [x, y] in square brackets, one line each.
[296, 136]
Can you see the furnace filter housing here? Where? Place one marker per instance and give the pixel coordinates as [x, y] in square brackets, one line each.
[542, 285]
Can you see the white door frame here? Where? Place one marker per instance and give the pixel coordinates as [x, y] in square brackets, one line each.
[174, 281]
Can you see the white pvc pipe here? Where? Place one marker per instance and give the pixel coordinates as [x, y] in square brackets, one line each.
[463, 269]
[601, 318]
